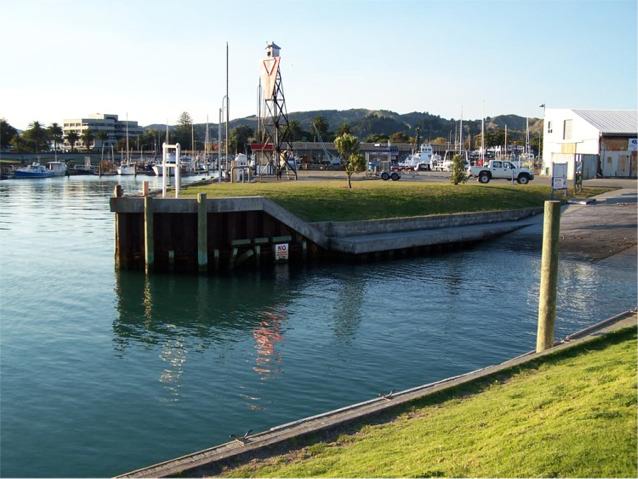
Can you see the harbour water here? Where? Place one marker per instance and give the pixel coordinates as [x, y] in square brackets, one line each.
[103, 372]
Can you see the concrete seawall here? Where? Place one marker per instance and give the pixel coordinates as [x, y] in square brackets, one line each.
[162, 233]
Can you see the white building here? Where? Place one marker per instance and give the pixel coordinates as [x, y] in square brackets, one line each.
[109, 124]
[602, 141]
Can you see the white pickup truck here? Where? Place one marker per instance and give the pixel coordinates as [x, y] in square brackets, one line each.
[497, 169]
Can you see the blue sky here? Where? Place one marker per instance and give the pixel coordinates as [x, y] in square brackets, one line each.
[67, 59]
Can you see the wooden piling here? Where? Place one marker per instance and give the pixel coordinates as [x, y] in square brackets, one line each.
[149, 246]
[145, 189]
[202, 232]
[118, 246]
[549, 277]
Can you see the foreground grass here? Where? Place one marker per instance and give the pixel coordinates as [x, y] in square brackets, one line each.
[333, 201]
[572, 414]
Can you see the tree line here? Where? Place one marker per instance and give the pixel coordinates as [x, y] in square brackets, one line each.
[39, 138]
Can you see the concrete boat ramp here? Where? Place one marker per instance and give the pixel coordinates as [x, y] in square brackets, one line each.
[165, 234]
[363, 237]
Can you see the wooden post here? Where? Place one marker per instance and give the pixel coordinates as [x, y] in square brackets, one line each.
[118, 246]
[549, 277]
[149, 246]
[145, 188]
[202, 232]
[117, 191]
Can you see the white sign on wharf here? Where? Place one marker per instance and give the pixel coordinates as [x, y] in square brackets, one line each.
[281, 252]
[559, 176]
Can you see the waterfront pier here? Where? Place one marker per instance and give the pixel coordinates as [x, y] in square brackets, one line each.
[221, 234]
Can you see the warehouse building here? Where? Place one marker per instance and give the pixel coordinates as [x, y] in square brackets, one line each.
[601, 143]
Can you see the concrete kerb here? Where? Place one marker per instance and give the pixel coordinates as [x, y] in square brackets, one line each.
[210, 461]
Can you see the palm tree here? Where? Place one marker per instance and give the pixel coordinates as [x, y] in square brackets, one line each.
[72, 137]
[102, 136]
[55, 134]
[37, 136]
[87, 138]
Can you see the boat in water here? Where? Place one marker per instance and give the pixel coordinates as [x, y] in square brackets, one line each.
[57, 167]
[126, 169]
[186, 166]
[34, 170]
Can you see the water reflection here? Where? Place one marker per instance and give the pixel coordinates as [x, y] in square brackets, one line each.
[348, 307]
[198, 313]
[267, 335]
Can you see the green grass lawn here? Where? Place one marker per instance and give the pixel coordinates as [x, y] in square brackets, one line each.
[333, 201]
[570, 414]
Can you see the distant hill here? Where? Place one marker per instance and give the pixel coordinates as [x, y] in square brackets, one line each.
[364, 123]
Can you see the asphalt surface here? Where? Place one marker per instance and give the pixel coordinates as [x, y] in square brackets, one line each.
[592, 232]
[442, 177]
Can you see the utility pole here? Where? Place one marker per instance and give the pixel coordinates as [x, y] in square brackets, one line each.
[227, 105]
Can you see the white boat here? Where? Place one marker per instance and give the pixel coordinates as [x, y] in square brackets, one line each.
[57, 167]
[421, 160]
[126, 169]
[186, 166]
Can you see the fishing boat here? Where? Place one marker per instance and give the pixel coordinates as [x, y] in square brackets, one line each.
[34, 170]
[421, 160]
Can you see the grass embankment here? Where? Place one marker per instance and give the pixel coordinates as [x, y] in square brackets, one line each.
[570, 414]
[333, 201]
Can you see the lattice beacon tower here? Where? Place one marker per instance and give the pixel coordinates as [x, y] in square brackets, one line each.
[275, 141]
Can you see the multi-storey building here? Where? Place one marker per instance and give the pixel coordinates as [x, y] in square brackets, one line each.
[113, 129]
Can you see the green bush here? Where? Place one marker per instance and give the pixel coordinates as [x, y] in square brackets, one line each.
[459, 174]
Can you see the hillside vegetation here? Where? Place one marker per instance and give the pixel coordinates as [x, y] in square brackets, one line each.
[365, 123]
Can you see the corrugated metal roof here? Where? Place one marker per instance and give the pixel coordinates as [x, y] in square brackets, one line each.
[611, 121]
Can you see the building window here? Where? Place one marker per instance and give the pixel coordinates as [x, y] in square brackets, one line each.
[549, 127]
[567, 129]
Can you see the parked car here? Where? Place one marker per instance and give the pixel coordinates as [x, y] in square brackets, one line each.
[497, 169]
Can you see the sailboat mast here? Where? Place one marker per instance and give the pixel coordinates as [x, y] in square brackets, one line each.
[527, 136]
[461, 132]
[206, 138]
[506, 140]
[483, 134]
[127, 149]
